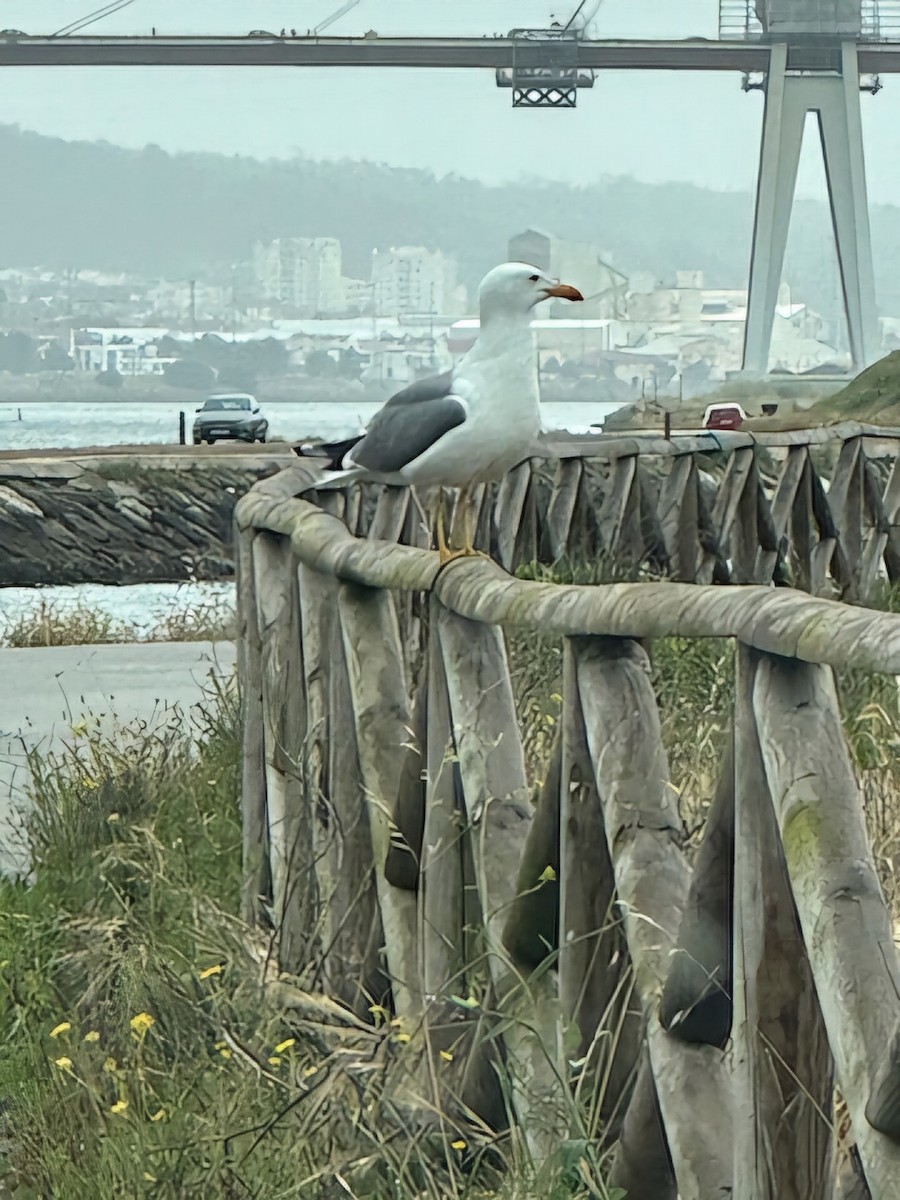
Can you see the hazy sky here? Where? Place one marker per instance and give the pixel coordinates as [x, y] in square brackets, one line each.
[654, 126]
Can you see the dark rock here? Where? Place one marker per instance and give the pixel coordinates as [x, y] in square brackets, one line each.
[152, 525]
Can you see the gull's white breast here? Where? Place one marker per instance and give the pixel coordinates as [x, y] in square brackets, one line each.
[499, 388]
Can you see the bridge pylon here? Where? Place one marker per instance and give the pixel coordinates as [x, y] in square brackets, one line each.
[835, 98]
[815, 50]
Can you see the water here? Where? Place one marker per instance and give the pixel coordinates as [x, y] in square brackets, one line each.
[141, 605]
[68, 425]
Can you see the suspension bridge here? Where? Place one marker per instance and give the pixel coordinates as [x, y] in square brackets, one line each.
[808, 56]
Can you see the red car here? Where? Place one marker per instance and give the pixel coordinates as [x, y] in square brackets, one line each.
[723, 416]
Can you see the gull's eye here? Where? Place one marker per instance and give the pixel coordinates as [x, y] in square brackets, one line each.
[533, 278]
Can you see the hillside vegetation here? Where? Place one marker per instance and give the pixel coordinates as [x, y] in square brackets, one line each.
[79, 204]
[873, 396]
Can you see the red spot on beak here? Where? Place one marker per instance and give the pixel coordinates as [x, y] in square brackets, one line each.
[563, 292]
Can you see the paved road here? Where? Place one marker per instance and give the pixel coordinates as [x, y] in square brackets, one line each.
[43, 692]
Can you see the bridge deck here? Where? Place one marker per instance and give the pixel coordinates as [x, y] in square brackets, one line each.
[695, 54]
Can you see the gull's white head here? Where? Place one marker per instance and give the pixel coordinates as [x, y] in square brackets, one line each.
[515, 288]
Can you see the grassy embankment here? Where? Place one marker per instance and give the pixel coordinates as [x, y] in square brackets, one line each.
[50, 623]
[149, 1049]
[872, 397]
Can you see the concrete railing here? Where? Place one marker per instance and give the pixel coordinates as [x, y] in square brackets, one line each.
[708, 1007]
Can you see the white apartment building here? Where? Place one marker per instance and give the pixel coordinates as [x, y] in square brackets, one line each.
[578, 263]
[411, 279]
[302, 273]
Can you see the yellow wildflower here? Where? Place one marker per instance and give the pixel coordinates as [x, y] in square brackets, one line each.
[119, 1107]
[307, 1071]
[159, 1115]
[207, 971]
[274, 1061]
[141, 1023]
[547, 875]
[110, 1065]
[459, 1144]
[225, 1052]
[402, 1037]
[150, 1178]
[61, 1028]
[112, 818]
[92, 1036]
[446, 1056]
[80, 729]
[285, 1045]
[64, 1063]
[91, 784]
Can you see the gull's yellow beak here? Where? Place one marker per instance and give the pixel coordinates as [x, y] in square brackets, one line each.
[563, 291]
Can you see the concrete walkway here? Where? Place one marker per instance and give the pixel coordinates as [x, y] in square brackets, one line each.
[45, 691]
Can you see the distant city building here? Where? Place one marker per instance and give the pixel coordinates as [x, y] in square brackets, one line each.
[358, 294]
[674, 336]
[563, 339]
[303, 274]
[411, 279]
[578, 263]
[127, 351]
[401, 361]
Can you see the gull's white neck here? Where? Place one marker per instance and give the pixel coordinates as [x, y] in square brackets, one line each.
[506, 334]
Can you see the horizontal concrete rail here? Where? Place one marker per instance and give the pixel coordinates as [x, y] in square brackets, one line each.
[777, 620]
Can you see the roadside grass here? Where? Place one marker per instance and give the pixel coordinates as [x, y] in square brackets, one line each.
[114, 1075]
[52, 623]
[47, 623]
[150, 1047]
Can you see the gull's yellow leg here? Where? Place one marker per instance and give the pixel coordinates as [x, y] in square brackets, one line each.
[443, 549]
[465, 518]
[469, 520]
[424, 517]
[470, 523]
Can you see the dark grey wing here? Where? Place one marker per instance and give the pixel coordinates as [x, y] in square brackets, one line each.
[332, 452]
[434, 387]
[409, 424]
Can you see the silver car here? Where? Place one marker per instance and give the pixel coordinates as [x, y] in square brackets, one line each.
[234, 417]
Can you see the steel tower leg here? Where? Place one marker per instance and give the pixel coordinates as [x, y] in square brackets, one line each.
[835, 100]
[840, 125]
[779, 156]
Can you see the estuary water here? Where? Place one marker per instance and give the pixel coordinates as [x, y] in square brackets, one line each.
[36, 425]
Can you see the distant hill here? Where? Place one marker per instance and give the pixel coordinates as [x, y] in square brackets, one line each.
[79, 204]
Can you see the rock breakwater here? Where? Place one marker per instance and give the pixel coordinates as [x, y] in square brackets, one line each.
[120, 520]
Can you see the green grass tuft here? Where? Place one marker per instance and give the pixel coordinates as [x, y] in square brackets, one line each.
[150, 1049]
[50, 623]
